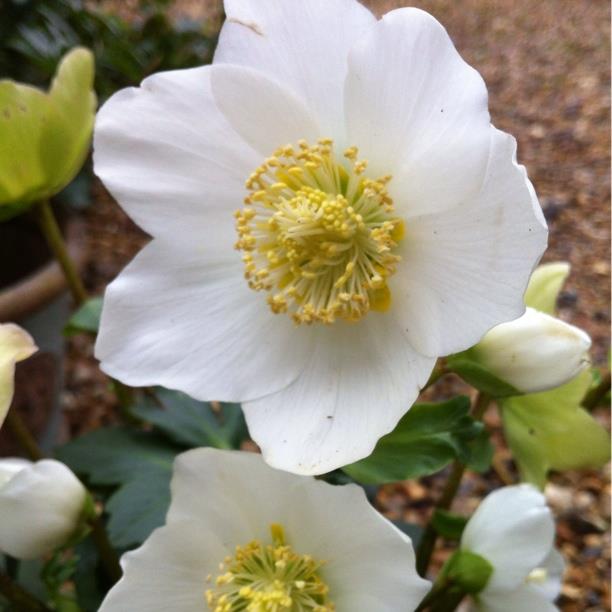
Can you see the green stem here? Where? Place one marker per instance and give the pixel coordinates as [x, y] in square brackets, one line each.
[23, 436]
[107, 553]
[593, 398]
[17, 595]
[55, 240]
[430, 535]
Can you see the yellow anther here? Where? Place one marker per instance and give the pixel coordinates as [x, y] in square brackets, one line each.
[318, 234]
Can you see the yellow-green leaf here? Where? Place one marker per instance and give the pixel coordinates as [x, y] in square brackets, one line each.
[545, 285]
[550, 430]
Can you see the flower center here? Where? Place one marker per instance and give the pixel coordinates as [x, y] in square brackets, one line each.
[318, 235]
[269, 578]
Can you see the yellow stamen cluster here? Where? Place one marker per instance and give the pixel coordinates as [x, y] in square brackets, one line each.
[269, 578]
[318, 234]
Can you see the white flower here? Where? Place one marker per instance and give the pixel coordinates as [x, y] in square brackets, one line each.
[41, 505]
[535, 352]
[513, 530]
[394, 262]
[15, 345]
[319, 545]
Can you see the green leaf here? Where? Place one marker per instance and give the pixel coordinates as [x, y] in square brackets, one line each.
[138, 507]
[140, 463]
[545, 285]
[86, 318]
[86, 577]
[479, 377]
[412, 530]
[427, 438]
[448, 524]
[481, 452]
[550, 430]
[192, 423]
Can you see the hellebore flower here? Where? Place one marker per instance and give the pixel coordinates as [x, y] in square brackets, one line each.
[41, 505]
[15, 345]
[243, 536]
[537, 351]
[513, 530]
[385, 223]
[45, 136]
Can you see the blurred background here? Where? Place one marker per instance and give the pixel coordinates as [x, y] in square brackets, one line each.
[547, 67]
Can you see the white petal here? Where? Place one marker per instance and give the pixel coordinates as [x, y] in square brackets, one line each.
[15, 345]
[523, 599]
[171, 160]
[513, 529]
[417, 111]
[359, 380]
[10, 466]
[41, 506]
[169, 571]
[370, 565]
[535, 352]
[466, 269]
[265, 114]
[303, 45]
[553, 569]
[187, 322]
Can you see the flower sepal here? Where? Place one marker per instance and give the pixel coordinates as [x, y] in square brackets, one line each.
[468, 571]
[467, 366]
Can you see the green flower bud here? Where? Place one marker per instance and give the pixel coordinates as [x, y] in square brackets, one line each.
[45, 136]
[468, 571]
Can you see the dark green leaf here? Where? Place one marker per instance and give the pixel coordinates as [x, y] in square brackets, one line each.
[427, 438]
[116, 455]
[140, 463]
[86, 318]
[138, 507]
[412, 530]
[448, 525]
[192, 423]
[481, 452]
[479, 377]
[87, 576]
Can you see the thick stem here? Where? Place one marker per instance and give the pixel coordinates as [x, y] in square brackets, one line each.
[23, 436]
[107, 553]
[17, 595]
[593, 398]
[430, 535]
[55, 240]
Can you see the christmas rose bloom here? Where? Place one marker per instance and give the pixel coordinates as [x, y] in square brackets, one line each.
[513, 529]
[331, 210]
[240, 535]
[15, 345]
[41, 505]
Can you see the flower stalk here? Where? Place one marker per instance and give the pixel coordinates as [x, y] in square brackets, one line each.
[55, 240]
[428, 541]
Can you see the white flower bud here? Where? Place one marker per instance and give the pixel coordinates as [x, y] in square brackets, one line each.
[534, 352]
[41, 505]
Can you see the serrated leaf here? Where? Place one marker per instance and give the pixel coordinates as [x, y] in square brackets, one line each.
[86, 318]
[479, 377]
[193, 423]
[448, 524]
[427, 438]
